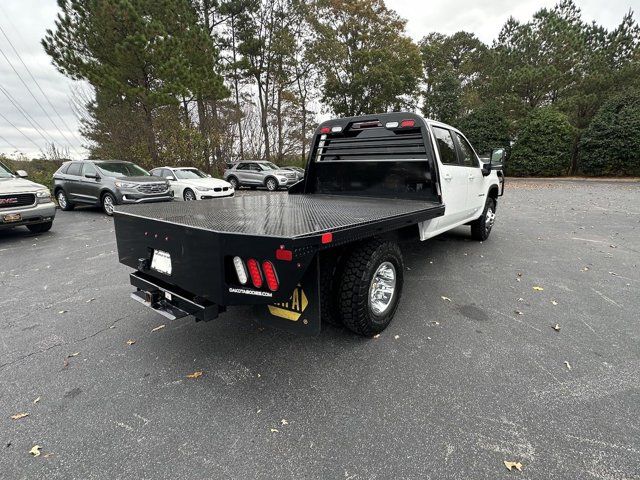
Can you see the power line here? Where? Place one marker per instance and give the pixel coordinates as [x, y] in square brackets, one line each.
[32, 121]
[11, 144]
[21, 132]
[39, 87]
[34, 97]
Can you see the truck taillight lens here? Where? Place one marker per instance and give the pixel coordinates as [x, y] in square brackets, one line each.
[270, 275]
[254, 272]
[241, 271]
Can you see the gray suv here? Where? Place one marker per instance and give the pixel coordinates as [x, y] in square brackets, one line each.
[24, 203]
[259, 174]
[107, 183]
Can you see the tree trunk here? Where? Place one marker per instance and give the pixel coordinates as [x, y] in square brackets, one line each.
[203, 124]
[575, 154]
[236, 86]
[151, 136]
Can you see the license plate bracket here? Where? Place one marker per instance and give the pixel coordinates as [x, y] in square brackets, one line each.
[161, 262]
[12, 217]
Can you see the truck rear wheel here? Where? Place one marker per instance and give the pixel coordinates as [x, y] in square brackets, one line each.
[370, 287]
[481, 228]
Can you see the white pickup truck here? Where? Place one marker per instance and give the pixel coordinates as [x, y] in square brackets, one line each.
[326, 251]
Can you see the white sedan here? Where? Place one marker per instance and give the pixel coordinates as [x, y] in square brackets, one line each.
[189, 183]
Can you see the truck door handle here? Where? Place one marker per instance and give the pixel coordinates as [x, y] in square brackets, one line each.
[447, 176]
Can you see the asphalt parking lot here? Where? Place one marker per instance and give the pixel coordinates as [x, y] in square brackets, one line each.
[453, 388]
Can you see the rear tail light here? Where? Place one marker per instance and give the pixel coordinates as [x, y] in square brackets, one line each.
[270, 275]
[283, 254]
[325, 130]
[254, 272]
[407, 123]
[241, 271]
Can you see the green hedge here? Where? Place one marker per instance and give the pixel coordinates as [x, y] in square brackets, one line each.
[486, 128]
[543, 146]
[611, 143]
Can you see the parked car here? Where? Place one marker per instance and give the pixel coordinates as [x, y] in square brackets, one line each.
[23, 202]
[299, 171]
[259, 174]
[107, 183]
[189, 183]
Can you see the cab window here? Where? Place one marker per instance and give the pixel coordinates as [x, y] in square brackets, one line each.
[446, 146]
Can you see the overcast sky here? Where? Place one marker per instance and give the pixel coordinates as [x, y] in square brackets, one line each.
[25, 21]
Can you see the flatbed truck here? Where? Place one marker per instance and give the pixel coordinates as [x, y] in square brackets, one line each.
[328, 250]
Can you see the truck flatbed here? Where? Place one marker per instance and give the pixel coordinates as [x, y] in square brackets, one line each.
[289, 216]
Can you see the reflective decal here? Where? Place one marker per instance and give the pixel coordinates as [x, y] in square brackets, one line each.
[292, 309]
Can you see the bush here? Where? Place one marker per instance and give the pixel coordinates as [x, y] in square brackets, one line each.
[40, 171]
[486, 128]
[543, 145]
[611, 143]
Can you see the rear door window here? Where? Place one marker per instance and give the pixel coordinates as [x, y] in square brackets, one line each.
[467, 155]
[446, 146]
[74, 169]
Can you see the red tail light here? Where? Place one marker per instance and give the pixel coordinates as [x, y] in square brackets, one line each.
[285, 255]
[407, 123]
[271, 275]
[324, 130]
[254, 272]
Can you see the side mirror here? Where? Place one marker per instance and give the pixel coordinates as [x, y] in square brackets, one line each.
[208, 176]
[95, 176]
[22, 173]
[497, 158]
[486, 168]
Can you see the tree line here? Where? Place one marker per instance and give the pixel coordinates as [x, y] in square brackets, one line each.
[203, 82]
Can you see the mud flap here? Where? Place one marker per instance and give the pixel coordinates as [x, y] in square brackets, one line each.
[301, 313]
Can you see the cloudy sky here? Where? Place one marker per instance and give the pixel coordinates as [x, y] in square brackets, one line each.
[25, 21]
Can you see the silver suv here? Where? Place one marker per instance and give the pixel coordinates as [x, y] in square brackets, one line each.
[24, 203]
[107, 183]
[259, 174]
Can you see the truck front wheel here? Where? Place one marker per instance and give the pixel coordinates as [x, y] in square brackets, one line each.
[481, 228]
[370, 287]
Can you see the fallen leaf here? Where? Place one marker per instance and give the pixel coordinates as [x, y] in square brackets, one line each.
[538, 289]
[568, 365]
[197, 374]
[18, 416]
[274, 430]
[518, 312]
[518, 279]
[62, 311]
[284, 422]
[521, 299]
[159, 327]
[553, 302]
[510, 465]
[35, 451]
[131, 342]
[47, 455]
[519, 274]
[613, 273]
[613, 246]
[90, 300]
[556, 327]
[396, 336]
[65, 364]
[446, 299]
[377, 335]
[36, 400]
[435, 323]
[585, 269]
[73, 355]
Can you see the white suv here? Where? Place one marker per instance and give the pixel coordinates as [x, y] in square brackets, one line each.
[189, 183]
